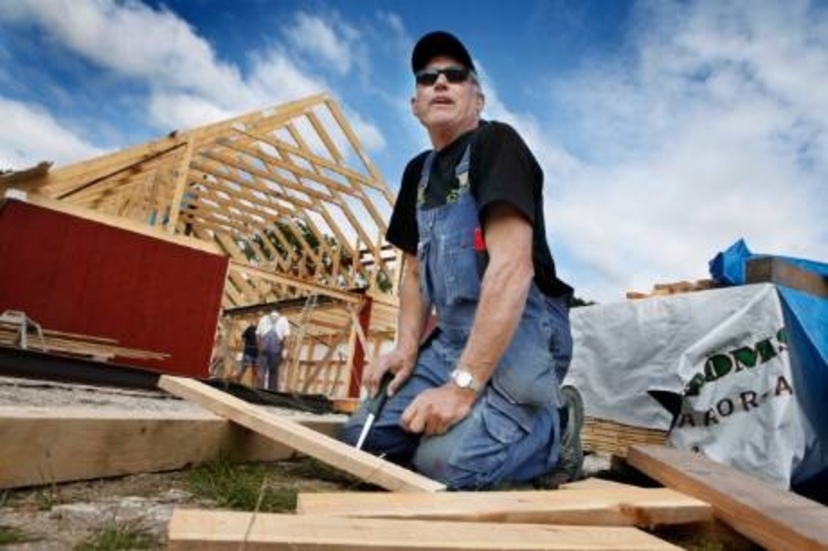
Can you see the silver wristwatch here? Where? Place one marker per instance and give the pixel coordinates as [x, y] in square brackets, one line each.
[464, 379]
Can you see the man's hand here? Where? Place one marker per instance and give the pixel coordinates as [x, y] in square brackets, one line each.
[436, 410]
[398, 362]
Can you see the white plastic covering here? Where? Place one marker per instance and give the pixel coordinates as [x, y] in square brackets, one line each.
[725, 350]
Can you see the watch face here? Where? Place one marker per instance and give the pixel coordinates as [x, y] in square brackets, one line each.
[464, 379]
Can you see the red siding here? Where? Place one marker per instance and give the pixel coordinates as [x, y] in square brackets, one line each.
[75, 275]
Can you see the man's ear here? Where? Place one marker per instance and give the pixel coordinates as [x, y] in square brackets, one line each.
[414, 110]
[481, 102]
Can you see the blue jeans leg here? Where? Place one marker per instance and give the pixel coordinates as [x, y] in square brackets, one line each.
[498, 442]
[387, 438]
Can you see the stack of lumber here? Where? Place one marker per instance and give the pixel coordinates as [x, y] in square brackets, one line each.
[100, 348]
[662, 289]
[591, 514]
[610, 437]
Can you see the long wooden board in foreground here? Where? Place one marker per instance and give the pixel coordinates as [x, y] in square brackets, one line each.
[773, 518]
[45, 445]
[191, 529]
[630, 506]
[328, 450]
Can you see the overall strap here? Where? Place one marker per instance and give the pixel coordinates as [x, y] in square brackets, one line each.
[424, 175]
[461, 171]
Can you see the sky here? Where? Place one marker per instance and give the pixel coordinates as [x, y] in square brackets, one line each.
[666, 130]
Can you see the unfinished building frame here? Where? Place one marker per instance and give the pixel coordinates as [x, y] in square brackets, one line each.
[289, 196]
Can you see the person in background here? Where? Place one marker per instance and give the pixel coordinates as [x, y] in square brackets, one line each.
[271, 333]
[249, 355]
[479, 402]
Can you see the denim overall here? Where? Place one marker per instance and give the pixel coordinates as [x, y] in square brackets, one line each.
[512, 432]
[270, 357]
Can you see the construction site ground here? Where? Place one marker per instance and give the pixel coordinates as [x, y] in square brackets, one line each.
[74, 515]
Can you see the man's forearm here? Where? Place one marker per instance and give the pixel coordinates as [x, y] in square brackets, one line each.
[504, 291]
[502, 301]
[413, 310]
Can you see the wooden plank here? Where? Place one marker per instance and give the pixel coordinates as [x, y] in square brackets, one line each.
[71, 176]
[594, 507]
[773, 518]
[328, 450]
[778, 271]
[316, 160]
[253, 272]
[598, 484]
[179, 184]
[45, 445]
[22, 179]
[192, 529]
[354, 140]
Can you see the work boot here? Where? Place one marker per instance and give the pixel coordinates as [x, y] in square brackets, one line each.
[571, 464]
[571, 460]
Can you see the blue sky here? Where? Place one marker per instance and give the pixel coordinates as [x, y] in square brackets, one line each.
[666, 130]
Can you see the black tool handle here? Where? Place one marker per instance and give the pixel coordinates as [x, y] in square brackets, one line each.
[376, 403]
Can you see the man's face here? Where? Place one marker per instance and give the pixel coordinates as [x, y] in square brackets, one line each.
[447, 104]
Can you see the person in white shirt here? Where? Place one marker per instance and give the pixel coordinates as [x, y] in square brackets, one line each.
[270, 335]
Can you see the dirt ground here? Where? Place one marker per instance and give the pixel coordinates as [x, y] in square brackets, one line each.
[63, 516]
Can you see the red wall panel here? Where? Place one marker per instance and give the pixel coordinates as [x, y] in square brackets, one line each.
[75, 275]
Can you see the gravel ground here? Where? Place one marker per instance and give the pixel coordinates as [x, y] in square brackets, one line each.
[32, 392]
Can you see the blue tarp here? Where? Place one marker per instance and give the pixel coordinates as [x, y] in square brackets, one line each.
[806, 319]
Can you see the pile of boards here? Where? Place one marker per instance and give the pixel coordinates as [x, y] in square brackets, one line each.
[592, 515]
[20, 334]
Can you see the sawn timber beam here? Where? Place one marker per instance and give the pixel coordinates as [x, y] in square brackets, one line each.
[363, 465]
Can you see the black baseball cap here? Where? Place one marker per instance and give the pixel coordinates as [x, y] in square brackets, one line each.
[439, 43]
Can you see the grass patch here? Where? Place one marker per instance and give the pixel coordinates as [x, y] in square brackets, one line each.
[46, 498]
[243, 487]
[11, 534]
[310, 468]
[114, 536]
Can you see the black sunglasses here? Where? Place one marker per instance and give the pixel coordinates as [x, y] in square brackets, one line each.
[454, 75]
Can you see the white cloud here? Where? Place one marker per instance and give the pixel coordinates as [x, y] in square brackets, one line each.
[710, 131]
[325, 40]
[188, 84]
[557, 162]
[276, 77]
[31, 135]
[134, 40]
[180, 111]
[369, 136]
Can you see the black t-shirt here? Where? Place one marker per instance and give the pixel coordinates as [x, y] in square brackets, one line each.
[501, 169]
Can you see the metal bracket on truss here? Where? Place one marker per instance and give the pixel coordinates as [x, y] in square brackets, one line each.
[23, 322]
